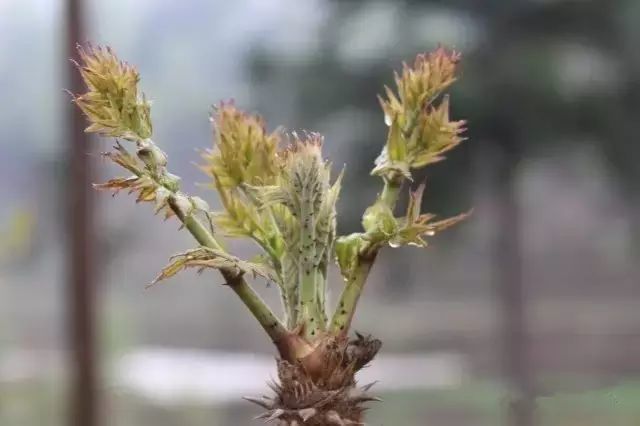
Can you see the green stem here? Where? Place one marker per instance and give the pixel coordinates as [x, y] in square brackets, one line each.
[274, 328]
[312, 317]
[321, 290]
[309, 273]
[269, 322]
[197, 229]
[391, 191]
[289, 274]
[343, 314]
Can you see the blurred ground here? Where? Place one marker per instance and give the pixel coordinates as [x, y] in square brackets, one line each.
[480, 404]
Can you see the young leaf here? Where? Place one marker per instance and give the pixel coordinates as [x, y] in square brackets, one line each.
[418, 133]
[347, 250]
[203, 257]
[112, 103]
[244, 152]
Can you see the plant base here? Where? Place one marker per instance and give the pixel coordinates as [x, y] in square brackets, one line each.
[320, 389]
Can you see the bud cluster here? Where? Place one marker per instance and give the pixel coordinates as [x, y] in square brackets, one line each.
[281, 197]
[244, 152]
[419, 132]
[112, 102]
[114, 107]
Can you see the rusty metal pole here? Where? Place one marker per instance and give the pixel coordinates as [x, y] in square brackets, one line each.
[81, 289]
[511, 290]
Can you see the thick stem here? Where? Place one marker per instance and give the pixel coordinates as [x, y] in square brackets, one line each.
[309, 274]
[290, 293]
[321, 289]
[311, 314]
[343, 315]
[238, 284]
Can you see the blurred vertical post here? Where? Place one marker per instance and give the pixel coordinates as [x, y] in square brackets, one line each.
[511, 292]
[81, 291]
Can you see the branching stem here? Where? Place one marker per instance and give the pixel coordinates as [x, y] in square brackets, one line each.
[263, 314]
[343, 314]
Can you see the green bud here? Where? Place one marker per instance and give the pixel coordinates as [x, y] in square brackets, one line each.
[152, 156]
[112, 103]
[347, 250]
[199, 204]
[419, 131]
[183, 204]
[170, 181]
[379, 222]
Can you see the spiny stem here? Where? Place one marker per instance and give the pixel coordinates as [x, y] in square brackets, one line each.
[321, 290]
[310, 275]
[291, 300]
[312, 317]
[309, 272]
[343, 315]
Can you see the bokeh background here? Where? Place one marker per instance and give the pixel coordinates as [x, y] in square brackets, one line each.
[532, 306]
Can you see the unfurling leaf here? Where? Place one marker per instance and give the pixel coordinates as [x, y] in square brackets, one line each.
[383, 228]
[347, 250]
[435, 134]
[415, 226]
[326, 222]
[396, 146]
[420, 83]
[121, 157]
[418, 132]
[203, 258]
[117, 184]
[199, 204]
[379, 223]
[240, 218]
[112, 102]
[244, 153]
[143, 186]
[162, 197]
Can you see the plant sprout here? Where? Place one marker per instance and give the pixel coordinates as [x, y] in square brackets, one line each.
[277, 190]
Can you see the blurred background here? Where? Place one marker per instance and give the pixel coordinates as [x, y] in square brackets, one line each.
[528, 313]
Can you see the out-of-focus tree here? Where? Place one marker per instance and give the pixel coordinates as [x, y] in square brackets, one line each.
[539, 75]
